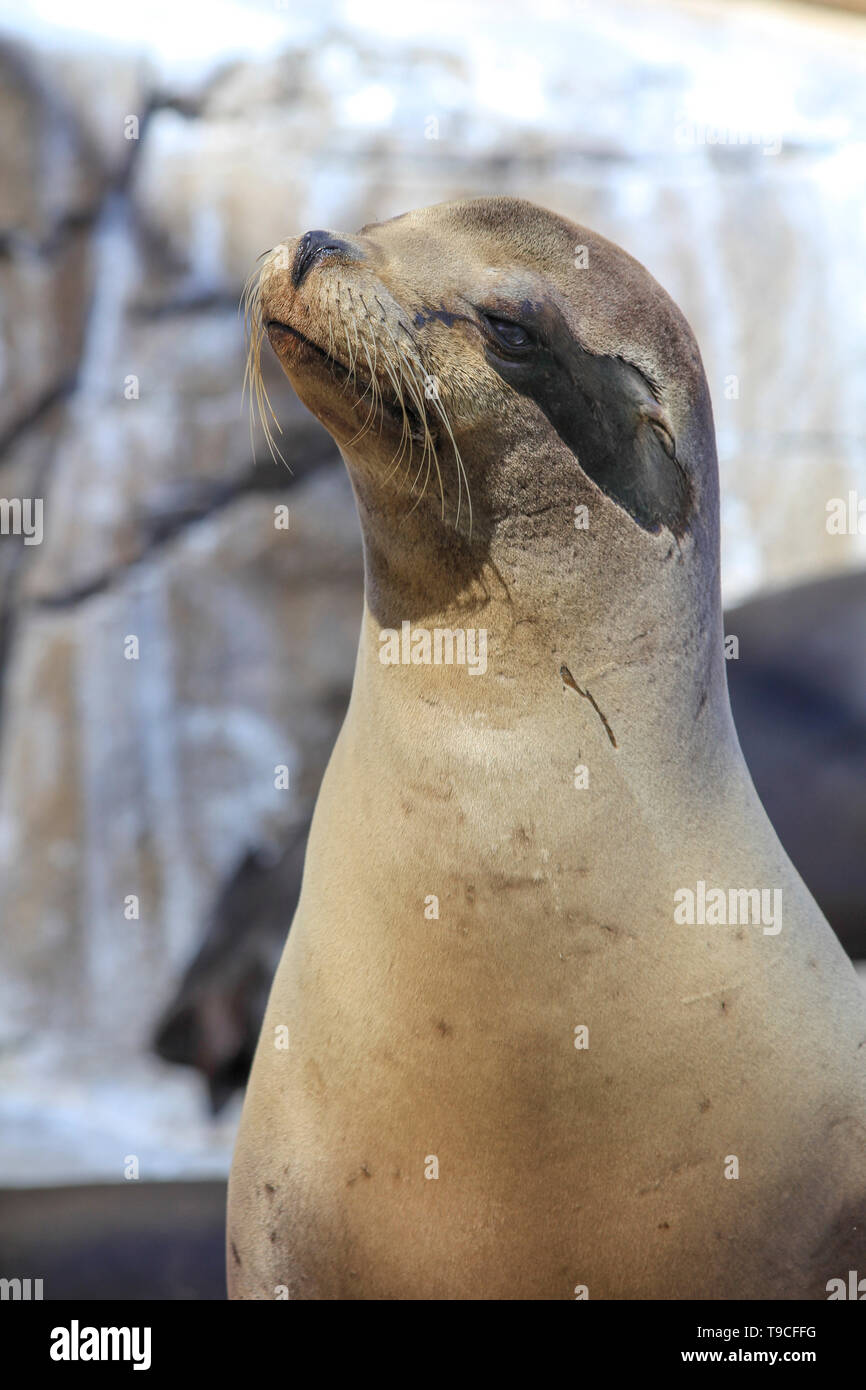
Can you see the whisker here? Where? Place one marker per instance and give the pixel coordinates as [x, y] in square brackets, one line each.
[254, 387]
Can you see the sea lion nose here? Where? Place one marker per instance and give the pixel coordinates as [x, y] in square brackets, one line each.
[315, 246]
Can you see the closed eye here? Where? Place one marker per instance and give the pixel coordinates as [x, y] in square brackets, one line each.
[512, 336]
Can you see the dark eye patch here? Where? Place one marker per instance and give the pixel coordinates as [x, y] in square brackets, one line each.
[608, 414]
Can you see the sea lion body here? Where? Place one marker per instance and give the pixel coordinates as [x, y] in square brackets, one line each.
[511, 1072]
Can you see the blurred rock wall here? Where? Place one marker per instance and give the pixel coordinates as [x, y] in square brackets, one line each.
[721, 145]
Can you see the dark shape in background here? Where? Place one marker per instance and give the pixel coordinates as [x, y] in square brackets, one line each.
[798, 692]
[214, 1020]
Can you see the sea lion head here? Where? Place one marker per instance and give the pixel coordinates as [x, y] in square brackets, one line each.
[492, 371]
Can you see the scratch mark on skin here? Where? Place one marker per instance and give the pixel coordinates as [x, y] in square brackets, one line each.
[568, 679]
[712, 993]
[672, 1172]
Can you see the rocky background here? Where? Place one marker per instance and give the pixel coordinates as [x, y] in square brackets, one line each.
[141, 175]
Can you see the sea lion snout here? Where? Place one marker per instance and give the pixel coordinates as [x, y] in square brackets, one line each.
[319, 245]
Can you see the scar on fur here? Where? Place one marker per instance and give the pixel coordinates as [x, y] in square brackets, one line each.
[568, 679]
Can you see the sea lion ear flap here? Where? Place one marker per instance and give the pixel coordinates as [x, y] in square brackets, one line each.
[657, 487]
[658, 419]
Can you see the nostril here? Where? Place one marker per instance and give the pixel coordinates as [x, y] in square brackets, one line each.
[312, 247]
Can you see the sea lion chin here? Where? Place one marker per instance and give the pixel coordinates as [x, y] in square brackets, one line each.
[555, 1012]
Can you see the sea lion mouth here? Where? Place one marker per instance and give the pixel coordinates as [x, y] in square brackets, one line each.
[277, 326]
[378, 368]
[385, 398]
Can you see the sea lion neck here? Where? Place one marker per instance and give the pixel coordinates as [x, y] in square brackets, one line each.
[618, 645]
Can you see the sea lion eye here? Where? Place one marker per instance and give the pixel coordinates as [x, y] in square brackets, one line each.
[511, 335]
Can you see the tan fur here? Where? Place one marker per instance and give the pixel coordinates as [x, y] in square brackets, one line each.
[454, 1038]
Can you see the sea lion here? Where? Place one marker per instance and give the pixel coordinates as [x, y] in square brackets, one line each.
[556, 1017]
